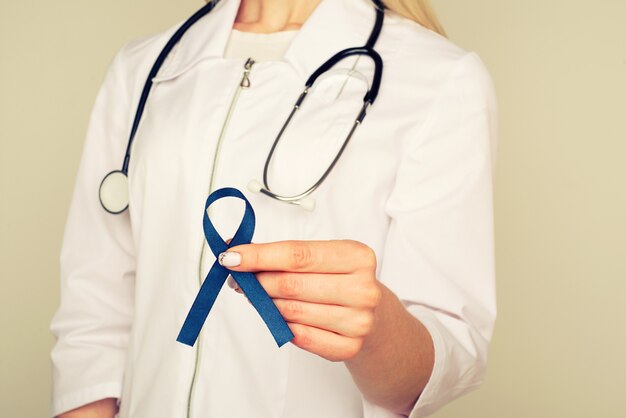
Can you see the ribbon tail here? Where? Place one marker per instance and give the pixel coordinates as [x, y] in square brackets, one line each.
[202, 305]
[264, 306]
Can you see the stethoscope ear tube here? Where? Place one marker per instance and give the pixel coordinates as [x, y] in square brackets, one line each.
[368, 50]
[372, 93]
[304, 199]
[171, 43]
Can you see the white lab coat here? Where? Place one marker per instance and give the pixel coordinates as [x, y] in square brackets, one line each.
[415, 184]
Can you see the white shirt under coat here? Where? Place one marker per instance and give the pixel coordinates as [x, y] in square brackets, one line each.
[415, 184]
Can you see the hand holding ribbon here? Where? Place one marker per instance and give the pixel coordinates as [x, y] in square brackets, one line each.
[217, 276]
[327, 291]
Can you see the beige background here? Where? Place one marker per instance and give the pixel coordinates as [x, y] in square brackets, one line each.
[560, 71]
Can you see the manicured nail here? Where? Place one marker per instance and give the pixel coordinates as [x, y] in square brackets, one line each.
[229, 259]
[232, 283]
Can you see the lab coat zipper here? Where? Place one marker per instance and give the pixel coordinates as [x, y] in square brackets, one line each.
[243, 84]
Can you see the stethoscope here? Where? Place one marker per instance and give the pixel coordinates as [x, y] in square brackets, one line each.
[114, 193]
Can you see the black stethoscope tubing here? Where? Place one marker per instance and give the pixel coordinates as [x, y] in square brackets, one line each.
[368, 99]
[173, 41]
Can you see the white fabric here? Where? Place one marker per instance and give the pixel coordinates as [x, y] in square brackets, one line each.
[415, 184]
[260, 46]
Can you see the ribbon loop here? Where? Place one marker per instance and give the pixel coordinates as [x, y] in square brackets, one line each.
[217, 276]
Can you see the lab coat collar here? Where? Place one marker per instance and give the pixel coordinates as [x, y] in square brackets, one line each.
[333, 26]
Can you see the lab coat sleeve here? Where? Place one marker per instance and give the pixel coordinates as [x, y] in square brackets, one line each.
[439, 252]
[93, 320]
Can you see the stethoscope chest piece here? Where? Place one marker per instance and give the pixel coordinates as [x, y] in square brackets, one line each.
[114, 192]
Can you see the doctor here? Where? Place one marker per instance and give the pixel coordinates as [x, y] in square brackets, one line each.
[387, 285]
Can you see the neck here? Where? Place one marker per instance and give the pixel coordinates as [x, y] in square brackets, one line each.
[267, 16]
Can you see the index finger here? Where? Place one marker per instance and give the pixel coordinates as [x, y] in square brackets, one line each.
[332, 256]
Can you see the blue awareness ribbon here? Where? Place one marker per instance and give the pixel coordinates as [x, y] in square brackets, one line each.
[217, 276]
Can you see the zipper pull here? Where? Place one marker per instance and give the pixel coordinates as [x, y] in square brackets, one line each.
[245, 81]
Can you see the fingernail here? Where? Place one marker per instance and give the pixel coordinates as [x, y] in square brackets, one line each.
[232, 283]
[229, 259]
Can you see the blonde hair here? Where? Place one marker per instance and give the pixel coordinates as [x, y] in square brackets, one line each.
[420, 11]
